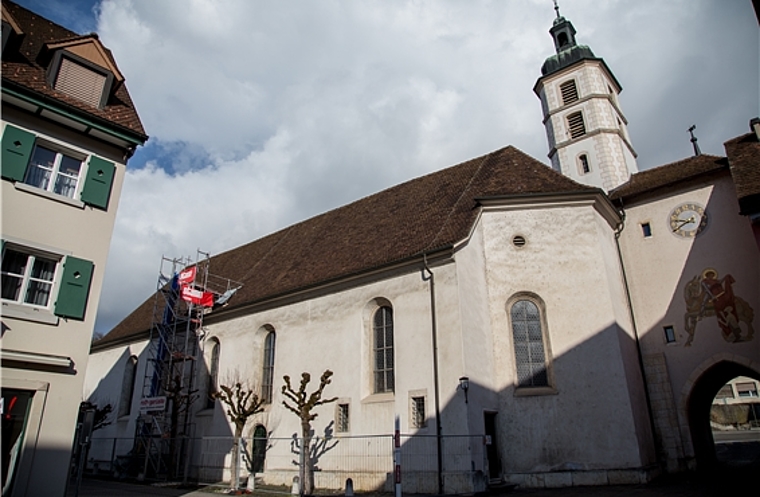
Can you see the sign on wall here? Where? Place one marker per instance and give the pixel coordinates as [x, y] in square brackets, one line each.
[148, 404]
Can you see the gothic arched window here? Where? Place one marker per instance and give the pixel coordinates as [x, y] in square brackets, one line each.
[267, 377]
[382, 327]
[531, 354]
[212, 383]
[128, 386]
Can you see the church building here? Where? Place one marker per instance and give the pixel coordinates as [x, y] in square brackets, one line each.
[526, 324]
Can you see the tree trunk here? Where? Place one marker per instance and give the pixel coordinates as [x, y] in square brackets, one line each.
[308, 470]
[235, 466]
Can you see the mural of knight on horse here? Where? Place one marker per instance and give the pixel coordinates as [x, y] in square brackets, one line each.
[708, 295]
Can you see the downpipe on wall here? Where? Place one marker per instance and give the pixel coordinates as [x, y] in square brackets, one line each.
[618, 231]
[431, 278]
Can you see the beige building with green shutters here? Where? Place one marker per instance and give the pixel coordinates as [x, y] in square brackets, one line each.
[68, 129]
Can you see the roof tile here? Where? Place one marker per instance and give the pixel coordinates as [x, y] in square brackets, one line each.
[668, 175]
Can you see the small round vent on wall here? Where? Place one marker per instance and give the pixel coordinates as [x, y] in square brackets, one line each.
[518, 241]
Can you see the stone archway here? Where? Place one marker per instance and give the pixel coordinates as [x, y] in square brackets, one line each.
[699, 403]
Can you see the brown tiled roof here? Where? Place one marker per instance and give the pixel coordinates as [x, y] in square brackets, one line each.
[668, 175]
[400, 223]
[744, 158]
[25, 68]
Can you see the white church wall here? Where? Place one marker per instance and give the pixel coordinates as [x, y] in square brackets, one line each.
[541, 433]
[629, 353]
[103, 385]
[333, 331]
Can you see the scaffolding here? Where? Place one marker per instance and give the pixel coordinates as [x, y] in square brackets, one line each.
[186, 291]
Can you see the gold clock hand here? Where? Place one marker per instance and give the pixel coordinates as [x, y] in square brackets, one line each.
[685, 221]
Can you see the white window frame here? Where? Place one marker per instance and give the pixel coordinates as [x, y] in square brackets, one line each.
[27, 278]
[55, 171]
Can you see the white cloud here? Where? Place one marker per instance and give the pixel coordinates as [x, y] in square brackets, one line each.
[271, 111]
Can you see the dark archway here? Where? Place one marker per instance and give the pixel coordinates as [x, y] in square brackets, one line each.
[259, 448]
[700, 402]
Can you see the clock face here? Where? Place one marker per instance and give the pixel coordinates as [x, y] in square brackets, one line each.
[688, 220]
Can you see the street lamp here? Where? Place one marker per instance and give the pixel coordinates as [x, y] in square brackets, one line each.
[464, 384]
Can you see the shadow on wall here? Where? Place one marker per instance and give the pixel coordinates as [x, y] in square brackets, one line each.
[120, 448]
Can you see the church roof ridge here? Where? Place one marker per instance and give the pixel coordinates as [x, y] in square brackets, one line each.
[397, 224]
[668, 174]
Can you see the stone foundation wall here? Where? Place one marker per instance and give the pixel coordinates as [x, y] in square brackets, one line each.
[557, 479]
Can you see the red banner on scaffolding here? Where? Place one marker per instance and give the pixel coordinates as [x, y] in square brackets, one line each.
[187, 276]
[199, 297]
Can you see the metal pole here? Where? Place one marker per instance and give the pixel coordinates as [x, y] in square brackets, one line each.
[397, 457]
[438, 429]
[301, 467]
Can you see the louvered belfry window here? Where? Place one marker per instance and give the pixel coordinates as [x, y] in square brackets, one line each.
[80, 82]
[576, 125]
[569, 92]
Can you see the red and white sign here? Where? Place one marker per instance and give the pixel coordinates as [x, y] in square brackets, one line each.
[199, 297]
[187, 276]
[152, 404]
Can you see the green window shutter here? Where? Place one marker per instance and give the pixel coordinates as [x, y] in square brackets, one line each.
[75, 288]
[97, 184]
[17, 148]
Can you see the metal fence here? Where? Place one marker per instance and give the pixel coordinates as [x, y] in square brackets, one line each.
[367, 460]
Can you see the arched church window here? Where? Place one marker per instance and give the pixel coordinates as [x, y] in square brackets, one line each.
[583, 165]
[212, 382]
[562, 39]
[267, 380]
[383, 349]
[569, 92]
[531, 358]
[128, 386]
[259, 449]
[576, 125]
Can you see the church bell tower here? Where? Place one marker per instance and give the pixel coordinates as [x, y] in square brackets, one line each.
[586, 129]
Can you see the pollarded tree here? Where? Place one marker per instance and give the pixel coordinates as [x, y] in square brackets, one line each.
[242, 403]
[302, 404]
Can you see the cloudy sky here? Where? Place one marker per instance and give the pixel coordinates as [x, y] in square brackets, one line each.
[264, 113]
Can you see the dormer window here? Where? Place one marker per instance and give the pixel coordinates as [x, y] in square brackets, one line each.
[81, 82]
[83, 69]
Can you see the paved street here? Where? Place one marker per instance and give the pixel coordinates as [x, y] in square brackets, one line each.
[736, 477]
[683, 486]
